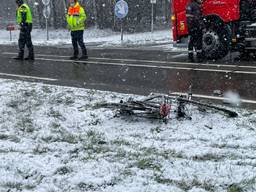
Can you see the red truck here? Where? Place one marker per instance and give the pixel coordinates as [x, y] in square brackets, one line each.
[228, 25]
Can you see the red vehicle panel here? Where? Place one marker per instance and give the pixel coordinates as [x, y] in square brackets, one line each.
[227, 10]
[179, 21]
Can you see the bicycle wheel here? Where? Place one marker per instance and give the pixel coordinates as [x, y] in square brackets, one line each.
[227, 112]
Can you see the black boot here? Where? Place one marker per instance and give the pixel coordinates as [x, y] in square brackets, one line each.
[84, 54]
[191, 56]
[20, 56]
[199, 57]
[74, 57]
[83, 57]
[30, 56]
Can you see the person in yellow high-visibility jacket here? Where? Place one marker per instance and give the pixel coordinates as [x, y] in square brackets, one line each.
[24, 19]
[76, 17]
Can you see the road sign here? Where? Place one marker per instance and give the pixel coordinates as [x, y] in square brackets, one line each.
[46, 2]
[47, 12]
[153, 1]
[121, 9]
[10, 27]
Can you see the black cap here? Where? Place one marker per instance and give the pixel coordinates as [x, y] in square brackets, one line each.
[19, 1]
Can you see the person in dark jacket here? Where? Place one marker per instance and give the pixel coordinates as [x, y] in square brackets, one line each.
[195, 26]
[24, 19]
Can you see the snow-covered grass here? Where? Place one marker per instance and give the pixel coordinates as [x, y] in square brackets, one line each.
[91, 36]
[53, 139]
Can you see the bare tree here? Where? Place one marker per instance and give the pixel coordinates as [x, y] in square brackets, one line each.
[100, 13]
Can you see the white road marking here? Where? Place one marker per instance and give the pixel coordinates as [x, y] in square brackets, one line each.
[151, 66]
[179, 55]
[214, 97]
[151, 48]
[147, 66]
[134, 65]
[28, 77]
[151, 61]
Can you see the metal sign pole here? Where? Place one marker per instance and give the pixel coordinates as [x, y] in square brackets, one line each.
[65, 6]
[152, 14]
[47, 30]
[10, 35]
[152, 17]
[122, 31]
[121, 11]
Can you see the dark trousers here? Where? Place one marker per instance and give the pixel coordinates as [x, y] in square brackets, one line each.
[25, 40]
[78, 38]
[195, 41]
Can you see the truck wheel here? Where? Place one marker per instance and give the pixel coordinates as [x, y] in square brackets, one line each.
[253, 15]
[216, 39]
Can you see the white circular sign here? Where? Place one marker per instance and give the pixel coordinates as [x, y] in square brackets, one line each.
[46, 2]
[121, 9]
[47, 12]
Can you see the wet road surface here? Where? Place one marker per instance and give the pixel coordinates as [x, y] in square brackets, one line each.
[134, 70]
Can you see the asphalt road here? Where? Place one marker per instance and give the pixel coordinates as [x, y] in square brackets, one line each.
[134, 70]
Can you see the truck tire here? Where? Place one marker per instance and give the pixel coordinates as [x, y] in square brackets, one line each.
[253, 15]
[216, 39]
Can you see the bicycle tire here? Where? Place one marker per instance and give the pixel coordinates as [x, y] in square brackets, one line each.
[209, 106]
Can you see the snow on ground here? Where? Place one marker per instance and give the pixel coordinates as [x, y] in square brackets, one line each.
[54, 139]
[91, 36]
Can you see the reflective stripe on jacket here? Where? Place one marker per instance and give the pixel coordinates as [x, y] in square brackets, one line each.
[24, 10]
[76, 18]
